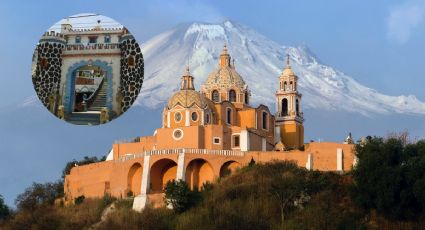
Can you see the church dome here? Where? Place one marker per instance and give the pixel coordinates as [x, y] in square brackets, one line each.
[225, 76]
[187, 99]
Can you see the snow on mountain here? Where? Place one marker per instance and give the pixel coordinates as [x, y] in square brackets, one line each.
[260, 61]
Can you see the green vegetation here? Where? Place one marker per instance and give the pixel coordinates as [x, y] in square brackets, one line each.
[390, 177]
[386, 190]
[4, 209]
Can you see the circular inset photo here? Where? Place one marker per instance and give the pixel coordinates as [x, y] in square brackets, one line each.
[87, 69]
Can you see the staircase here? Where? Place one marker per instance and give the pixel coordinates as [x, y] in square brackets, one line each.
[84, 118]
[100, 99]
[92, 116]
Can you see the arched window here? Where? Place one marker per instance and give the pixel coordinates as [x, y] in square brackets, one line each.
[232, 96]
[207, 119]
[229, 116]
[77, 39]
[264, 120]
[284, 107]
[297, 107]
[285, 86]
[290, 86]
[246, 98]
[215, 96]
[107, 38]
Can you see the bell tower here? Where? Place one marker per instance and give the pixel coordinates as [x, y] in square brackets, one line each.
[289, 129]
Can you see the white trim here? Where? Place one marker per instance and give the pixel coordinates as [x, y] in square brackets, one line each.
[202, 117]
[141, 200]
[180, 167]
[175, 138]
[309, 164]
[244, 140]
[277, 136]
[263, 144]
[219, 141]
[187, 123]
[168, 119]
[339, 160]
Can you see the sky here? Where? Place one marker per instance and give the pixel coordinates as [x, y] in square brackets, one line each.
[379, 43]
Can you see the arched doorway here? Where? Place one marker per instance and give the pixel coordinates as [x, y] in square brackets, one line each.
[134, 179]
[198, 172]
[71, 75]
[162, 171]
[90, 88]
[229, 167]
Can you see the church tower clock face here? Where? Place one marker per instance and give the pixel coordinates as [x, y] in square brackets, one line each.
[87, 69]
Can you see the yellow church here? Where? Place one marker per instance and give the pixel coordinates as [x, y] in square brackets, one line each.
[206, 135]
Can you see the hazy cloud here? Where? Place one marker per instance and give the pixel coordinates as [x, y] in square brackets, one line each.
[402, 20]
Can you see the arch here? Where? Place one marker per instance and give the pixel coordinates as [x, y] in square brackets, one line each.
[232, 95]
[229, 167]
[134, 179]
[246, 98]
[198, 172]
[297, 107]
[284, 107]
[264, 120]
[290, 85]
[161, 172]
[215, 96]
[68, 98]
[285, 86]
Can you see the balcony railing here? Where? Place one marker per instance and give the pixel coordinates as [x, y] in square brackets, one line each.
[180, 151]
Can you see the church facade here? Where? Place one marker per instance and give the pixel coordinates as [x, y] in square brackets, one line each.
[208, 134]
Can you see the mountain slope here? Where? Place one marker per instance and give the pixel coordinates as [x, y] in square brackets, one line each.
[259, 60]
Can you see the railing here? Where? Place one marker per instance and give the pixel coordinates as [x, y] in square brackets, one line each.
[101, 46]
[89, 101]
[180, 151]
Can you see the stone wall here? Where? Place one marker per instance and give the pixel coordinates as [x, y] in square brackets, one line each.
[131, 71]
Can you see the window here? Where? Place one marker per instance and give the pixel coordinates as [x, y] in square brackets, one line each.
[232, 96]
[78, 39]
[229, 116]
[92, 40]
[284, 107]
[207, 119]
[177, 117]
[215, 96]
[131, 61]
[264, 120]
[107, 38]
[236, 141]
[216, 140]
[246, 98]
[297, 107]
[194, 116]
[178, 134]
[290, 86]
[285, 86]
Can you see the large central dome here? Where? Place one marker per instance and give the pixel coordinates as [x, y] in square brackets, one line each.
[225, 84]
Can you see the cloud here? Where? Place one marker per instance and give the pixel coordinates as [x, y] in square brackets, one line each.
[402, 20]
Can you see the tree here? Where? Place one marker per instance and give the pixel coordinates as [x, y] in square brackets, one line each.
[4, 209]
[390, 177]
[178, 194]
[287, 185]
[39, 194]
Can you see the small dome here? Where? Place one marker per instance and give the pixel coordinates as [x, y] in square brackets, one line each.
[288, 72]
[225, 76]
[187, 99]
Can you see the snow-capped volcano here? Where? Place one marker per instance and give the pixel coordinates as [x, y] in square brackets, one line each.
[260, 61]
